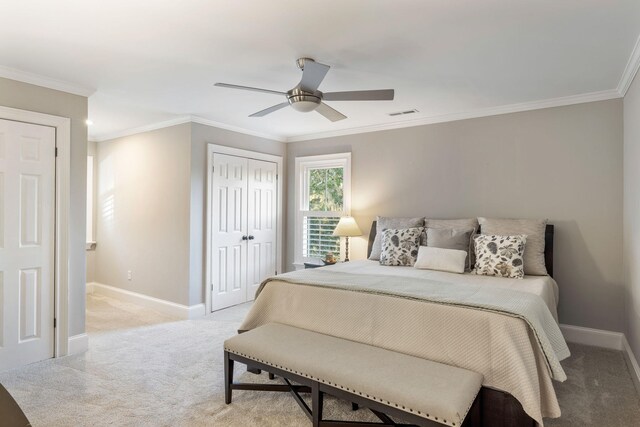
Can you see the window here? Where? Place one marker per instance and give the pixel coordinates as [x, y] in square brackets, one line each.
[323, 195]
[90, 238]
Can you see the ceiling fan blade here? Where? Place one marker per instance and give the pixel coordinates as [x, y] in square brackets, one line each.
[312, 75]
[330, 113]
[253, 89]
[269, 110]
[360, 95]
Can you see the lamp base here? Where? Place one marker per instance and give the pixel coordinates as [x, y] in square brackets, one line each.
[346, 255]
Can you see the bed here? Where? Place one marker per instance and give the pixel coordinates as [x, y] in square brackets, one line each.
[505, 329]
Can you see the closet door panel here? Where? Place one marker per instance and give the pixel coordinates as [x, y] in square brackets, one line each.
[228, 261]
[262, 223]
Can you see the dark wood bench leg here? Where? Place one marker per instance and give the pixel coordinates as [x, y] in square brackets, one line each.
[474, 417]
[317, 402]
[228, 377]
[354, 406]
[271, 376]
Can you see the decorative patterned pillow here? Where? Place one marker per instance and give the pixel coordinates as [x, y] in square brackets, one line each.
[500, 255]
[400, 246]
[534, 229]
[383, 223]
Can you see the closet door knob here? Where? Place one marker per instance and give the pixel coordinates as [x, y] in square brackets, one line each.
[251, 237]
[245, 237]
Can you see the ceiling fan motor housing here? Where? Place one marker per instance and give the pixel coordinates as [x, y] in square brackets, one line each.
[303, 101]
[306, 97]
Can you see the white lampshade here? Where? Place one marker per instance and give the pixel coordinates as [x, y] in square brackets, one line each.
[347, 227]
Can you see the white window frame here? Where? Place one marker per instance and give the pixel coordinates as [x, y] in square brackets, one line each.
[303, 164]
[90, 200]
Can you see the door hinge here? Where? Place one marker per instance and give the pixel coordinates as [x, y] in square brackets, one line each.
[56, 151]
[277, 177]
[213, 169]
[276, 273]
[55, 322]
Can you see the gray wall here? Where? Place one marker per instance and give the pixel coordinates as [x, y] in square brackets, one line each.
[562, 163]
[202, 135]
[35, 98]
[632, 214]
[143, 204]
[152, 204]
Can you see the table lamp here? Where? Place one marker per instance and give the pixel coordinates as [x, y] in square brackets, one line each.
[347, 227]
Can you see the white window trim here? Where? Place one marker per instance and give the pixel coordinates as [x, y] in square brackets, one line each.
[90, 201]
[302, 165]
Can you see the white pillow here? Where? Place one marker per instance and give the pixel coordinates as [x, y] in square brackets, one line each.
[451, 260]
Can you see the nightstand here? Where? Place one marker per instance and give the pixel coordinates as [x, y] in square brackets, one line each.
[312, 265]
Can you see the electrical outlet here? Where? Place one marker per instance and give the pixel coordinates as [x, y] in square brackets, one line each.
[129, 275]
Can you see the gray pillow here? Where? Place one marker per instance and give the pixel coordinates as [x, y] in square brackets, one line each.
[534, 229]
[451, 238]
[458, 224]
[391, 222]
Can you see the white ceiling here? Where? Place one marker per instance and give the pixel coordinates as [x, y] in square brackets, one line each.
[152, 61]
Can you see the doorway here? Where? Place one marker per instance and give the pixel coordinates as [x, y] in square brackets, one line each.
[27, 243]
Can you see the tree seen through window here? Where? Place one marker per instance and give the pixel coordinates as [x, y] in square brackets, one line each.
[325, 189]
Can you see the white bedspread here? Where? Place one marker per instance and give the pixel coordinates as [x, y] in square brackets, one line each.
[543, 286]
[502, 347]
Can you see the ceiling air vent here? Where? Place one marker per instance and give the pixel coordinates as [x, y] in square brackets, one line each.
[402, 113]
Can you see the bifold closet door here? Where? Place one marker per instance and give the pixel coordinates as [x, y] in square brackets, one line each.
[262, 209]
[27, 227]
[228, 227]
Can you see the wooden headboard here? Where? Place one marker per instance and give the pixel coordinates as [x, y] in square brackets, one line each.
[548, 245]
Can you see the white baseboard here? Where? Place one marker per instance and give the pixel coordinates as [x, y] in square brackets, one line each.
[78, 344]
[594, 337]
[632, 363]
[169, 308]
[604, 339]
[196, 311]
[89, 287]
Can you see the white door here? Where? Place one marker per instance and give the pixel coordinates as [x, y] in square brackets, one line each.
[262, 217]
[228, 227]
[243, 231]
[27, 194]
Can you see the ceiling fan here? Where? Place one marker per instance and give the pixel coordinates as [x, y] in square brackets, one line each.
[306, 97]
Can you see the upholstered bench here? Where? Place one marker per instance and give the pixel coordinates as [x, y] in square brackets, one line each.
[420, 391]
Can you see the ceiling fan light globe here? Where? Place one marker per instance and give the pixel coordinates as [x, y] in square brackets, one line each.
[304, 103]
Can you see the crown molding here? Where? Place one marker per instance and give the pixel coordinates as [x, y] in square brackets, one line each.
[213, 123]
[178, 121]
[630, 70]
[48, 82]
[485, 112]
[140, 129]
[493, 111]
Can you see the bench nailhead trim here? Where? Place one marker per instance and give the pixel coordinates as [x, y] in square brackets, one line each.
[339, 386]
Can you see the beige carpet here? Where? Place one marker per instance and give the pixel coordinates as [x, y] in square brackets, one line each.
[143, 369]
[108, 314]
